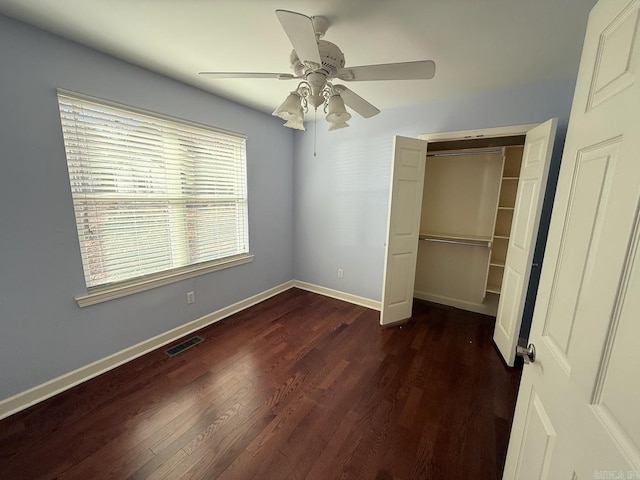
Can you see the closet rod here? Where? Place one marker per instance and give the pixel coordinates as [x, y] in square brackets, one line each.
[470, 243]
[462, 154]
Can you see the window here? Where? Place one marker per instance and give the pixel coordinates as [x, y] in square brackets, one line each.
[154, 196]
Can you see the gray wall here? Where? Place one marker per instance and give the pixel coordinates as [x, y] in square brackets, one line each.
[342, 194]
[43, 333]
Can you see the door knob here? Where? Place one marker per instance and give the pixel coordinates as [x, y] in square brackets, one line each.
[528, 353]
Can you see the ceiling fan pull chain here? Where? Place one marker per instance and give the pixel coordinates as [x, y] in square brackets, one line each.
[315, 130]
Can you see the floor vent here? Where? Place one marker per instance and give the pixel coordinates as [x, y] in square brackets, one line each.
[181, 347]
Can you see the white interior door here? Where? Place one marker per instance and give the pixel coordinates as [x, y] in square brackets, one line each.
[578, 409]
[536, 158]
[403, 228]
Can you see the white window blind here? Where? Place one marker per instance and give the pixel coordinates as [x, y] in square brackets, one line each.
[151, 193]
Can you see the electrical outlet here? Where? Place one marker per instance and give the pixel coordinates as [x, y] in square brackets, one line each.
[191, 297]
[340, 273]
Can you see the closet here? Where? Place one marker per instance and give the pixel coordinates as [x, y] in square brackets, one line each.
[464, 213]
[467, 210]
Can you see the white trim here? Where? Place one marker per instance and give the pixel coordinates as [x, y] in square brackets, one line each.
[509, 131]
[103, 294]
[329, 292]
[64, 382]
[483, 308]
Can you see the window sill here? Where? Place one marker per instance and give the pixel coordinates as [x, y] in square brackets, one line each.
[111, 292]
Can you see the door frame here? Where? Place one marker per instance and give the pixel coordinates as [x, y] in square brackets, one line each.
[508, 131]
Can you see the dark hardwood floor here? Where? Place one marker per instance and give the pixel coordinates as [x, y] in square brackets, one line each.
[299, 386]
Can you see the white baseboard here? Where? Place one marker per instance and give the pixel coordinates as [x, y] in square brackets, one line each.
[347, 297]
[488, 308]
[64, 382]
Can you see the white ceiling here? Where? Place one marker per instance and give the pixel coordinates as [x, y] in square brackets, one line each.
[477, 44]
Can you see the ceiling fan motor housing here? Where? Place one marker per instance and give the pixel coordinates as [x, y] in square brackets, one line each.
[331, 56]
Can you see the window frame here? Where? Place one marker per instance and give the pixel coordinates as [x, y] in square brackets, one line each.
[109, 291]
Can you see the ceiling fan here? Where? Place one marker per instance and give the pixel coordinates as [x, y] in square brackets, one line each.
[316, 63]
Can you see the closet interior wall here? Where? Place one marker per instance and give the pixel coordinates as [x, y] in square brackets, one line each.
[467, 208]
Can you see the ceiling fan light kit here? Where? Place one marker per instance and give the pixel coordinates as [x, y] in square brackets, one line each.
[316, 63]
[297, 104]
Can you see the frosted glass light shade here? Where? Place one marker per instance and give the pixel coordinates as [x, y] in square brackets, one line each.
[295, 123]
[291, 108]
[337, 113]
[337, 125]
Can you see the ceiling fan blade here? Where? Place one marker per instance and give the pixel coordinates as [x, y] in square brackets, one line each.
[280, 76]
[299, 29]
[356, 102]
[421, 70]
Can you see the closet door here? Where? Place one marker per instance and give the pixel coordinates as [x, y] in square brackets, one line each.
[522, 240]
[403, 227]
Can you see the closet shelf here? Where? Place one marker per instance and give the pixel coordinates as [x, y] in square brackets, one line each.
[510, 178]
[497, 264]
[505, 208]
[501, 237]
[493, 289]
[469, 240]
